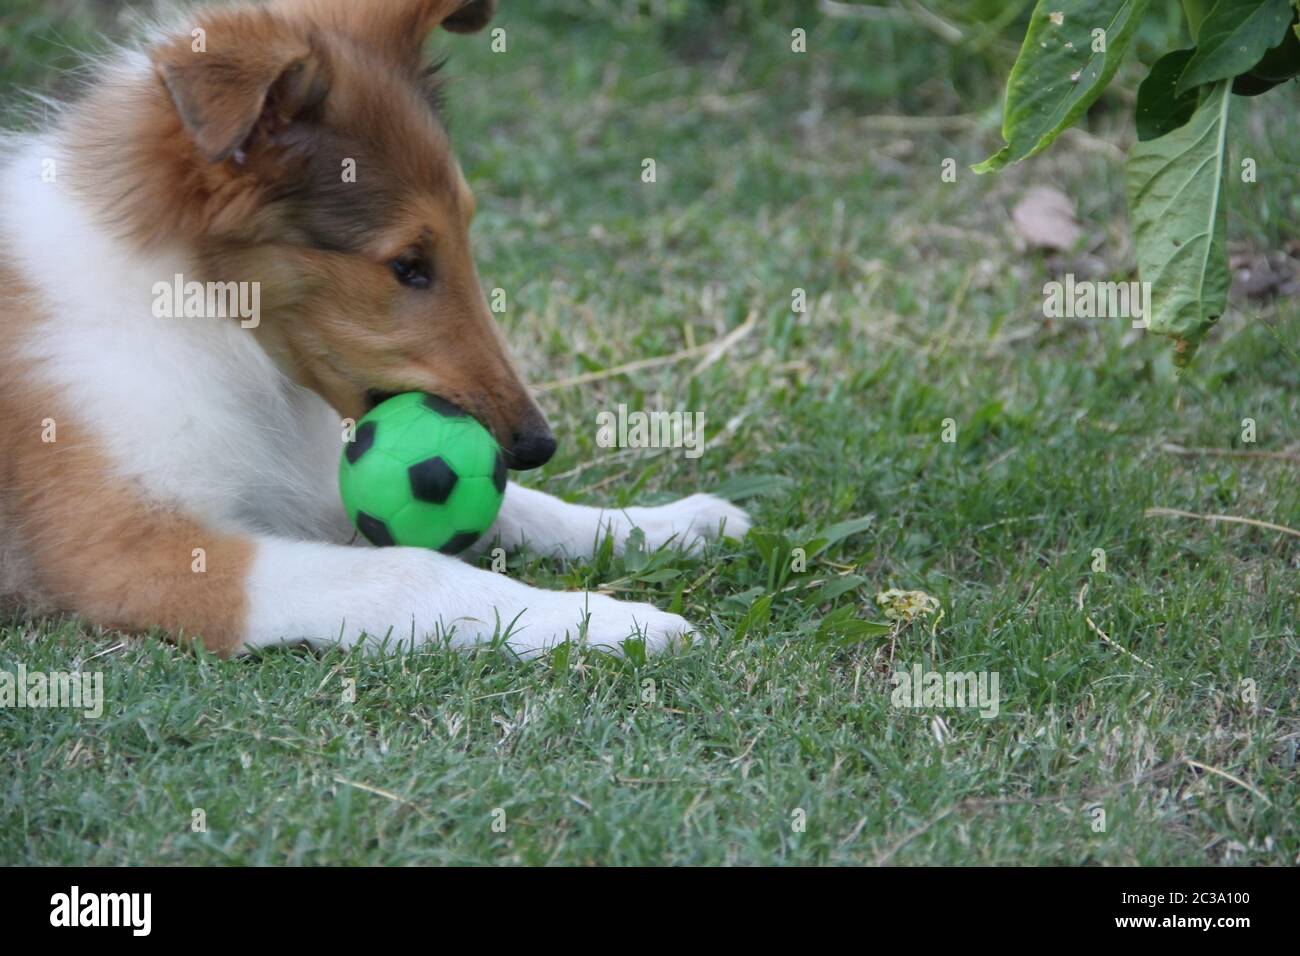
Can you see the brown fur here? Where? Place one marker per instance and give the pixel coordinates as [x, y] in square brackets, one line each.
[78, 539]
[394, 29]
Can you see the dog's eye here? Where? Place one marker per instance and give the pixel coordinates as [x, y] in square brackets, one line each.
[413, 272]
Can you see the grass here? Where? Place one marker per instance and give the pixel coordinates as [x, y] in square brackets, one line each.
[921, 309]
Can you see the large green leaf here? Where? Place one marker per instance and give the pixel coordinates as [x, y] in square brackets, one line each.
[1276, 66]
[1159, 111]
[1176, 197]
[1057, 75]
[1233, 38]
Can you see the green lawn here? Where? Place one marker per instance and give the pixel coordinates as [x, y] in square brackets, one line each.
[776, 741]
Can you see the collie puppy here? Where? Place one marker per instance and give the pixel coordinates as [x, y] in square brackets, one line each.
[179, 474]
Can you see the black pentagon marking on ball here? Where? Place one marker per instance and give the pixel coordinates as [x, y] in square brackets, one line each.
[376, 531]
[361, 442]
[443, 406]
[499, 473]
[432, 480]
[459, 542]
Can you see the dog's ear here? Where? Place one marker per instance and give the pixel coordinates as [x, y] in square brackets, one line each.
[396, 29]
[233, 82]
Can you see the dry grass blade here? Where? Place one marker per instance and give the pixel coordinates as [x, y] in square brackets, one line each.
[1174, 449]
[1226, 776]
[1230, 519]
[710, 351]
[1103, 635]
[386, 794]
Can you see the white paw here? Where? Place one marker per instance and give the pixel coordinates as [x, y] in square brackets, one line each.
[688, 523]
[596, 621]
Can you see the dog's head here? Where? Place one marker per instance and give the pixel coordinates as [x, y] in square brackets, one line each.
[306, 153]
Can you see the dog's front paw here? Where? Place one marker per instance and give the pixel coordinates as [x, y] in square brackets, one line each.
[598, 621]
[690, 522]
[612, 622]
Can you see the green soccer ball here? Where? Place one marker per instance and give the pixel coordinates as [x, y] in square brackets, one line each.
[422, 473]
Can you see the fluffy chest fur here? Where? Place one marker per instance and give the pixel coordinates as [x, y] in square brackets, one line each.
[191, 409]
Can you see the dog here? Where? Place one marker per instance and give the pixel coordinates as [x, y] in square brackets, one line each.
[179, 475]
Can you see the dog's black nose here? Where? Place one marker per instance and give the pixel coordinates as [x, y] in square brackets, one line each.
[530, 449]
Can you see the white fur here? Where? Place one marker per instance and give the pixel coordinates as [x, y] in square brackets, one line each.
[198, 416]
[539, 521]
[325, 594]
[191, 408]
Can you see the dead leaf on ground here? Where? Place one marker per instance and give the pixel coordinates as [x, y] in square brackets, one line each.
[1045, 218]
